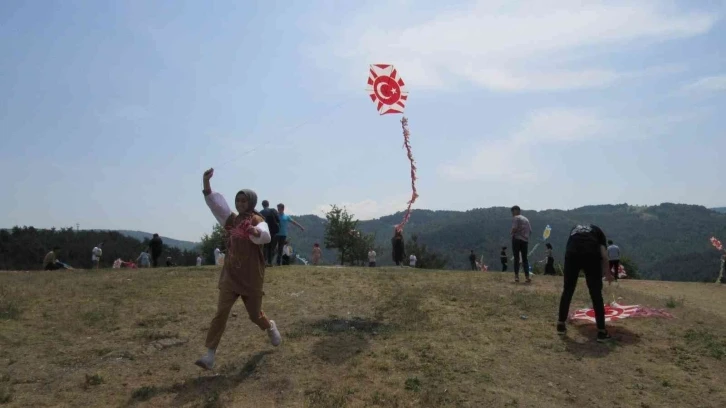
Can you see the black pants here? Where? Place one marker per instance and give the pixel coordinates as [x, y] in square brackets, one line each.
[473, 266]
[52, 267]
[504, 264]
[591, 265]
[280, 243]
[520, 247]
[550, 267]
[285, 260]
[269, 249]
[614, 265]
[155, 259]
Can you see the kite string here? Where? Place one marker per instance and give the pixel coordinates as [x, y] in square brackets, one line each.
[414, 193]
[287, 132]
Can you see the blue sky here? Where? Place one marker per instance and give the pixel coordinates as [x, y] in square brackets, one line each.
[111, 110]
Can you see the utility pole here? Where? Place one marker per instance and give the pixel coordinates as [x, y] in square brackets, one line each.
[77, 227]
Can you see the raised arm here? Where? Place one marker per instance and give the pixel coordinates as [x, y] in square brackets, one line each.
[215, 201]
[297, 225]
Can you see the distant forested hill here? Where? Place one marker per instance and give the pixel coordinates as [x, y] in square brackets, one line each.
[175, 243]
[667, 241]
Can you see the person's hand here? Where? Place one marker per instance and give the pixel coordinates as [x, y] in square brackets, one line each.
[208, 174]
[609, 276]
[254, 232]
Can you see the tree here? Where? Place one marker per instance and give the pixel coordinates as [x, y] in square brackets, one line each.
[210, 242]
[361, 245]
[425, 258]
[340, 232]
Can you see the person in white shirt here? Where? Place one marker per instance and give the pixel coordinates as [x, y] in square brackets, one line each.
[143, 260]
[199, 260]
[96, 255]
[412, 260]
[286, 253]
[216, 256]
[614, 256]
[371, 258]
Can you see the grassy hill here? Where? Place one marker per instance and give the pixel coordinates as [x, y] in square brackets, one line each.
[719, 209]
[667, 241]
[351, 338]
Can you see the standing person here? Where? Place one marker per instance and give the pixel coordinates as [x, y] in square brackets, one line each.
[243, 274]
[550, 266]
[472, 260]
[520, 241]
[281, 237]
[156, 245]
[96, 255]
[371, 258]
[272, 218]
[317, 254]
[586, 251]
[217, 253]
[199, 260]
[503, 258]
[286, 253]
[614, 256]
[143, 259]
[399, 250]
[412, 260]
[722, 271]
[50, 262]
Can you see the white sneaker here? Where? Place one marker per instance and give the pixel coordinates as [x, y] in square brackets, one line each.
[206, 362]
[274, 334]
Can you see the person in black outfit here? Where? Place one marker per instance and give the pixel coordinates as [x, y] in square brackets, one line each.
[156, 245]
[550, 266]
[272, 218]
[587, 251]
[503, 258]
[472, 260]
[398, 247]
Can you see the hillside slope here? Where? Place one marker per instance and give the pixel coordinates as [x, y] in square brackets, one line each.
[351, 338]
[654, 237]
[171, 242]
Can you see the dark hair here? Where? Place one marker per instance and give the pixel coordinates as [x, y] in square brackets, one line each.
[156, 235]
[281, 205]
[610, 242]
[503, 248]
[516, 208]
[265, 203]
[549, 246]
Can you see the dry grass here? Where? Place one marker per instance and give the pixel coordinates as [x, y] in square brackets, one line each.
[353, 338]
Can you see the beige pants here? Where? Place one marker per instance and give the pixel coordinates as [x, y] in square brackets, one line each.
[253, 304]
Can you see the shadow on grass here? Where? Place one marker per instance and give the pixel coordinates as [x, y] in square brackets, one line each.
[339, 339]
[208, 388]
[591, 348]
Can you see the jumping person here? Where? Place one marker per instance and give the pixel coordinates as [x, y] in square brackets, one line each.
[614, 256]
[550, 265]
[503, 258]
[272, 218]
[156, 246]
[586, 250]
[281, 236]
[520, 241]
[243, 273]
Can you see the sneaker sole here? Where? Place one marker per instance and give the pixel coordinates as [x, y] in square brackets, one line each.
[199, 363]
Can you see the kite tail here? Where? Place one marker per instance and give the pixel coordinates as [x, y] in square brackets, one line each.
[414, 194]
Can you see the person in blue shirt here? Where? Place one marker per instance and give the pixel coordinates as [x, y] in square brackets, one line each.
[281, 236]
